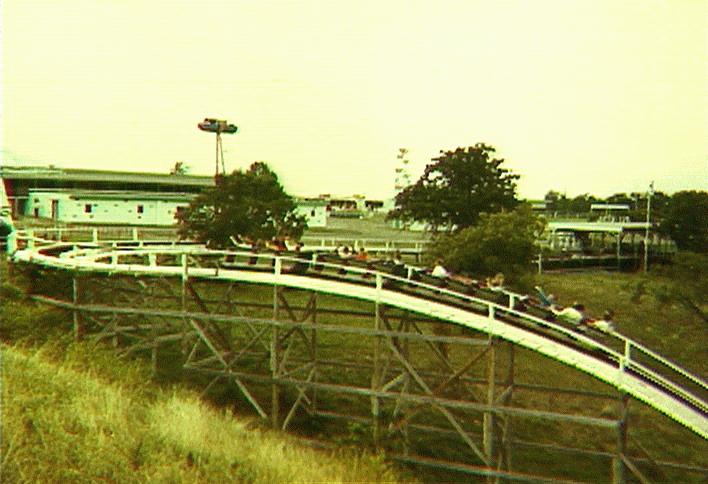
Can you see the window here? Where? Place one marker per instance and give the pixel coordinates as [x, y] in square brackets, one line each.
[140, 209]
[88, 208]
[312, 213]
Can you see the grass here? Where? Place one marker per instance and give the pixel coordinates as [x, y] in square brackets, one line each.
[74, 413]
[669, 330]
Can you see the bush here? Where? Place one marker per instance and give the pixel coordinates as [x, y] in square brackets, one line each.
[500, 242]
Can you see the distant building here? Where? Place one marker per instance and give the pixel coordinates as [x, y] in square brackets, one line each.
[611, 212]
[538, 205]
[315, 211]
[106, 207]
[17, 181]
[106, 197]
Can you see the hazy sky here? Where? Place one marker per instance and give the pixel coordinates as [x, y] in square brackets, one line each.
[593, 96]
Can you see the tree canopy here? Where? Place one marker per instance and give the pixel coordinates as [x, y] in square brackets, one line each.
[457, 188]
[249, 205]
[685, 220]
[500, 242]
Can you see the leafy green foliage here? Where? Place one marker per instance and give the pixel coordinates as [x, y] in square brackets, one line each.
[557, 202]
[456, 189]
[250, 205]
[686, 220]
[500, 242]
[683, 283]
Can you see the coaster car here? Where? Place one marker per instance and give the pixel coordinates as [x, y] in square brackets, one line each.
[217, 126]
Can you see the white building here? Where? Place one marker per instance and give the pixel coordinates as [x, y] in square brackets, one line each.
[315, 211]
[107, 207]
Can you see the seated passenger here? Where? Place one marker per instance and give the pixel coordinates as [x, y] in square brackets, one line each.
[277, 244]
[290, 244]
[574, 314]
[362, 255]
[606, 324]
[496, 283]
[439, 270]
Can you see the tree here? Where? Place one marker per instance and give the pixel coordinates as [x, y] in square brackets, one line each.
[553, 199]
[250, 205]
[581, 204]
[455, 190]
[686, 222]
[500, 242]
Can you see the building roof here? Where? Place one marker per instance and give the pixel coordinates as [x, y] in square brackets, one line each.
[118, 195]
[609, 227]
[310, 202]
[609, 206]
[74, 174]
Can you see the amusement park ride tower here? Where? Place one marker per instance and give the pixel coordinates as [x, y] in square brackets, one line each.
[218, 126]
[403, 177]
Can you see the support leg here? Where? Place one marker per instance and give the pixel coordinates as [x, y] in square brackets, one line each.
[376, 378]
[275, 363]
[488, 422]
[618, 467]
[76, 297]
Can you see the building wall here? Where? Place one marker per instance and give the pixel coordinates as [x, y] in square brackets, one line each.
[99, 210]
[316, 214]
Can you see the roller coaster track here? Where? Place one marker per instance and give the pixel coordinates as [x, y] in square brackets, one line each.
[646, 380]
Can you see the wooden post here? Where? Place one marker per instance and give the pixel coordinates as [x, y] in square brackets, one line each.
[618, 467]
[313, 342]
[376, 375]
[619, 250]
[78, 325]
[540, 263]
[275, 363]
[507, 401]
[488, 422]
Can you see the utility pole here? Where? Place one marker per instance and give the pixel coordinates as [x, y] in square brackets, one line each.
[646, 234]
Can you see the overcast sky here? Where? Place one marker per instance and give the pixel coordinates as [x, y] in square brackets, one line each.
[595, 96]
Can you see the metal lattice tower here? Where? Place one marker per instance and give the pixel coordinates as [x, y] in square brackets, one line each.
[403, 177]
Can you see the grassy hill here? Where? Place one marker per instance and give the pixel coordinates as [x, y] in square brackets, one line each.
[72, 413]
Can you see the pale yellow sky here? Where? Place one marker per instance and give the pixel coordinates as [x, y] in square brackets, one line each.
[595, 96]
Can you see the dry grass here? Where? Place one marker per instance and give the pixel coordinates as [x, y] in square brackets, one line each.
[61, 424]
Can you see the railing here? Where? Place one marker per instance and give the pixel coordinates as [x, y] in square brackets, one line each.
[370, 244]
[216, 263]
